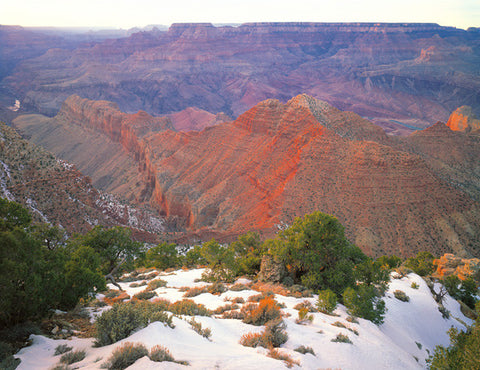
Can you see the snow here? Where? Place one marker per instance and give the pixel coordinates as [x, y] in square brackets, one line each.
[392, 345]
[3, 183]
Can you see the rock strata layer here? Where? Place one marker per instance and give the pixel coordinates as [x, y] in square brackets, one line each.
[278, 161]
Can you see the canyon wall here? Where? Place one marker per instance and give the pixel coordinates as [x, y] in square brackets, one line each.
[278, 161]
[400, 75]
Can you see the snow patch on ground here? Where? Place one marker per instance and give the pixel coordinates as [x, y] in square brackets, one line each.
[411, 330]
[3, 182]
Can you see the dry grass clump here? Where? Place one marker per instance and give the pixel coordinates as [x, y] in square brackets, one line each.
[342, 338]
[122, 296]
[189, 307]
[400, 295]
[352, 319]
[193, 292]
[304, 317]
[145, 295]
[303, 350]
[61, 349]
[155, 284]
[216, 288]
[160, 354]
[228, 307]
[339, 324]
[266, 310]
[136, 284]
[237, 287]
[197, 327]
[274, 335]
[72, 356]
[234, 314]
[125, 355]
[234, 300]
[305, 304]
[277, 355]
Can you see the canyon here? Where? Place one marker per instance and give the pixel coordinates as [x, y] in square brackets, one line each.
[275, 162]
[401, 76]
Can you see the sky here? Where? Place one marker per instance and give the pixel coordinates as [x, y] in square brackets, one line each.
[139, 13]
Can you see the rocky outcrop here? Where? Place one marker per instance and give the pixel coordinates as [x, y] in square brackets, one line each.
[465, 120]
[395, 73]
[463, 268]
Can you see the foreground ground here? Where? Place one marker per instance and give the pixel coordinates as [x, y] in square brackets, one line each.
[410, 332]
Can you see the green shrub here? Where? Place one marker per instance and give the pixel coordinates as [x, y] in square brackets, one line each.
[123, 319]
[190, 308]
[391, 262]
[400, 295]
[462, 353]
[274, 335]
[126, 355]
[303, 350]
[341, 338]
[9, 363]
[316, 253]
[72, 357]
[422, 264]
[327, 301]
[145, 295]
[414, 285]
[303, 316]
[163, 256]
[464, 291]
[220, 261]
[112, 294]
[248, 254]
[305, 304]
[61, 349]
[155, 284]
[364, 303]
[160, 354]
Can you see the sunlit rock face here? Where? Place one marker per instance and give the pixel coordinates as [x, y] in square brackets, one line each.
[397, 74]
[464, 119]
[278, 161]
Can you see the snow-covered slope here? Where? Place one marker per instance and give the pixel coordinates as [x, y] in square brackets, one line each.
[410, 332]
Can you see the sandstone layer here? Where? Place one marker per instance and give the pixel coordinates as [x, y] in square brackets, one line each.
[278, 161]
[395, 74]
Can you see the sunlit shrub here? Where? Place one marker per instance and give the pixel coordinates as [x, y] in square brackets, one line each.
[266, 310]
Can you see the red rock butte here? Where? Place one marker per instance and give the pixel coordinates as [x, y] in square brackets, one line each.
[279, 161]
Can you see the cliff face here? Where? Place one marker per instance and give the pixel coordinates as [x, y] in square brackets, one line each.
[395, 73]
[56, 192]
[464, 119]
[278, 161]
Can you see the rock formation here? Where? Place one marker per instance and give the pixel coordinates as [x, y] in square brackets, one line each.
[57, 193]
[398, 74]
[450, 264]
[463, 119]
[278, 161]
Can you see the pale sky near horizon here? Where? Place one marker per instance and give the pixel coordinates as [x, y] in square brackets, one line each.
[139, 13]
